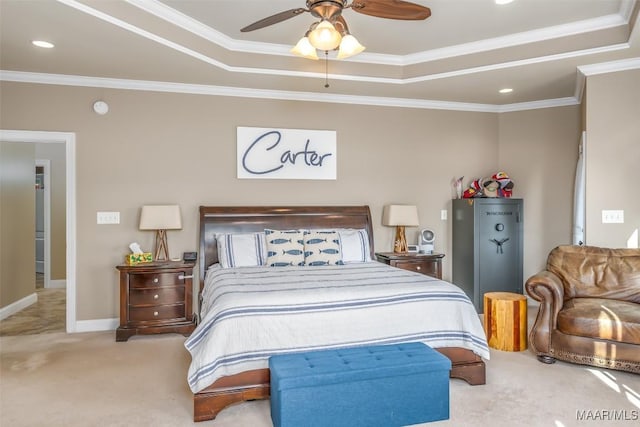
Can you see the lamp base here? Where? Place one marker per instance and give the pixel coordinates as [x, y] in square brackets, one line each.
[400, 243]
[162, 249]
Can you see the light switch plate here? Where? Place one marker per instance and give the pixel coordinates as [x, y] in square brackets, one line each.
[108, 217]
[612, 217]
[443, 214]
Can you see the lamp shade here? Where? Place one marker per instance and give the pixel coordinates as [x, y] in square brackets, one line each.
[304, 49]
[325, 36]
[349, 46]
[160, 217]
[403, 215]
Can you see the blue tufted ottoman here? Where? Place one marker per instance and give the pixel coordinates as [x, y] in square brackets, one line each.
[386, 386]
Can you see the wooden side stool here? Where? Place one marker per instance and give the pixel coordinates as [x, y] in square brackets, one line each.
[505, 320]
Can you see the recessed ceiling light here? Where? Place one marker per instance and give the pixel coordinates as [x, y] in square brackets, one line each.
[42, 43]
[506, 90]
[503, 1]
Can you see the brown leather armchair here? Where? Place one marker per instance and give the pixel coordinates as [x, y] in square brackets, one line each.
[589, 307]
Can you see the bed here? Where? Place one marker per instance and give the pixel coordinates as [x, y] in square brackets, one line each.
[237, 382]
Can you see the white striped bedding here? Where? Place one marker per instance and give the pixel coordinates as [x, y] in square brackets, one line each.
[251, 313]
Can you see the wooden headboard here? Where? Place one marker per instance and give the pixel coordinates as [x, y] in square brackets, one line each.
[242, 219]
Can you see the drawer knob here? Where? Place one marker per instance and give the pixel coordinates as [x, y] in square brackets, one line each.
[155, 280]
[418, 268]
[155, 313]
[156, 296]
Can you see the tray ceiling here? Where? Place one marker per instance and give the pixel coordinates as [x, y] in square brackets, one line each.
[458, 58]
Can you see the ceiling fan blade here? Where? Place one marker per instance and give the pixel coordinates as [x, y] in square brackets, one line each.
[392, 9]
[273, 19]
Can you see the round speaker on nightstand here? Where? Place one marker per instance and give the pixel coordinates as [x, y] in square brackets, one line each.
[427, 241]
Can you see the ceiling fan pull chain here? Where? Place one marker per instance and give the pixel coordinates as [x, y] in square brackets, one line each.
[326, 68]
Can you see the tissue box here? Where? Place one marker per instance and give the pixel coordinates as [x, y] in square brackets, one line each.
[133, 259]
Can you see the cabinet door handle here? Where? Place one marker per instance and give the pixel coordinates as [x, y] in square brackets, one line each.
[182, 277]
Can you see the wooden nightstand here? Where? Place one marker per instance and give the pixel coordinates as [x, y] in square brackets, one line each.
[155, 298]
[429, 264]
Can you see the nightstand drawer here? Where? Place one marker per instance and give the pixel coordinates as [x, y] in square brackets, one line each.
[429, 264]
[138, 297]
[150, 280]
[425, 267]
[159, 312]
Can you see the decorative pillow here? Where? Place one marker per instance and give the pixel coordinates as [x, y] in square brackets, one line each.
[241, 249]
[354, 244]
[284, 247]
[322, 248]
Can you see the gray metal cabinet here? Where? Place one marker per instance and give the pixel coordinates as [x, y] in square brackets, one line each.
[487, 246]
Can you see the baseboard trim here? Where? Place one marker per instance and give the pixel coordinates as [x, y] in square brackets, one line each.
[15, 307]
[96, 325]
[57, 284]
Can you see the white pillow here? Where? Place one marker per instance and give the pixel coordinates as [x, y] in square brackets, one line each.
[354, 245]
[241, 249]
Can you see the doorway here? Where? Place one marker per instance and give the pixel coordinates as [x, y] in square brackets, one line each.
[67, 139]
[43, 223]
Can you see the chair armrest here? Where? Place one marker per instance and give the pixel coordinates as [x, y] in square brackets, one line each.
[548, 280]
[547, 288]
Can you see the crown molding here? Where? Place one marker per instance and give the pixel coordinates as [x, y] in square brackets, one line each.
[211, 90]
[626, 9]
[196, 27]
[165, 12]
[601, 68]
[610, 67]
[517, 39]
[179, 19]
[581, 82]
[536, 105]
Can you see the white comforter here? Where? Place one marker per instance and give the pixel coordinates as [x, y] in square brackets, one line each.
[251, 313]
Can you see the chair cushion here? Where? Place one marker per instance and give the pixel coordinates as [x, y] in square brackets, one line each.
[601, 318]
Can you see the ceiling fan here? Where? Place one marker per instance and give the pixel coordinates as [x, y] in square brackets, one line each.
[331, 31]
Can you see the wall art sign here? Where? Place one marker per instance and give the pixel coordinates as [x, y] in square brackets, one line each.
[274, 153]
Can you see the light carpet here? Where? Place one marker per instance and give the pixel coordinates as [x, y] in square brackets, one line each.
[90, 380]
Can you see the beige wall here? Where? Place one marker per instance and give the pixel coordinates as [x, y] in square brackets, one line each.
[55, 153]
[177, 148]
[539, 151]
[17, 222]
[613, 157]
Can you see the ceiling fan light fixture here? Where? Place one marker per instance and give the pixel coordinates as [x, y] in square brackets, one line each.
[304, 49]
[325, 36]
[349, 46]
[328, 32]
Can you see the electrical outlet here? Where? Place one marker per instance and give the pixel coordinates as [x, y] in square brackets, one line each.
[108, 217]
[612, 217]
[443, 214]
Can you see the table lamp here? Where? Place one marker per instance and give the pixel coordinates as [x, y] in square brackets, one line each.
[401, 216]
[160, 218]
